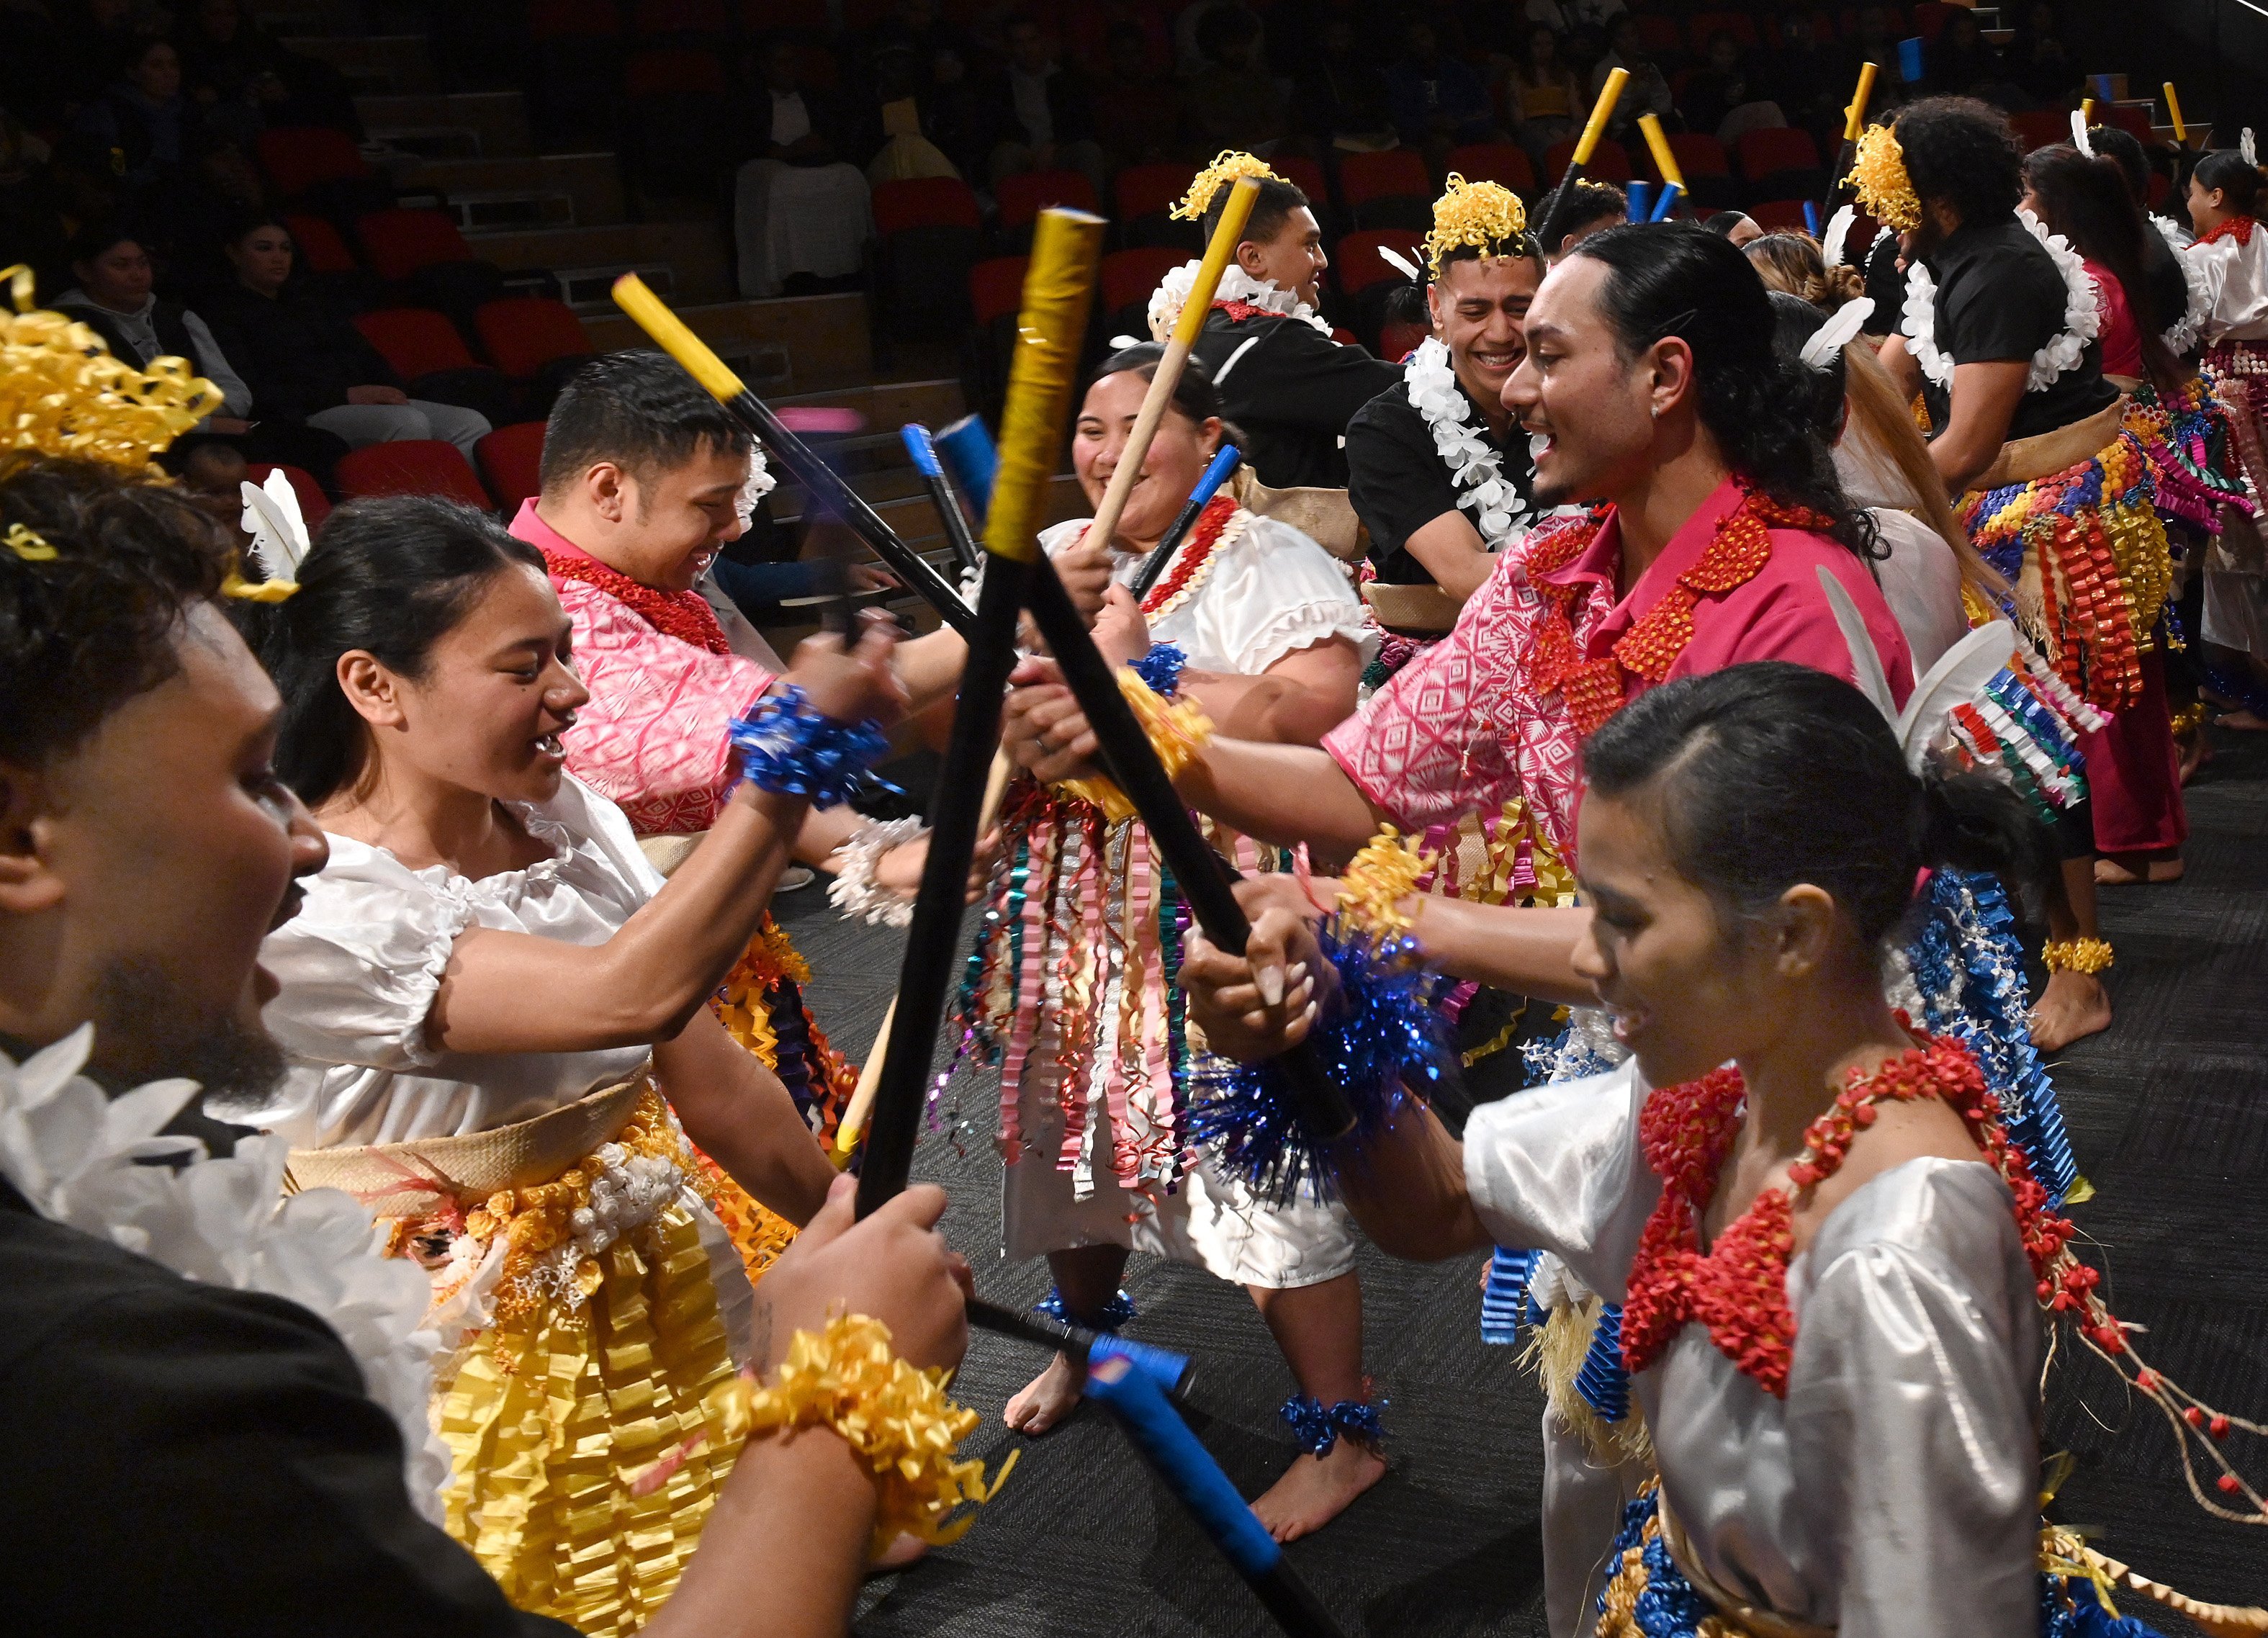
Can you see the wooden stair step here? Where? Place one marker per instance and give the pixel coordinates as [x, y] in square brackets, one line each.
[498, 119]
[793, 340]
[375, 64]
[591, 182]
[694, 252]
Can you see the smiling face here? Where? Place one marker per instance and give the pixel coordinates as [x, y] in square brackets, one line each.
[1292, 260]
[1480, 307]
[495, 696]
[670, 522]
[1176, 458]
[1598, 410]
[165, 849]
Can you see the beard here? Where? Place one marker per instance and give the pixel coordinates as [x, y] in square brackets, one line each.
[147, 1028]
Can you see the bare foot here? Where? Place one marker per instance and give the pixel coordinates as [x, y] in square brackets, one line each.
[1046, 1399]
[901, 1553]
[1314, 1490]
[2138, 869]
[2197, 753]
[2242, 721]
[2073, 1007]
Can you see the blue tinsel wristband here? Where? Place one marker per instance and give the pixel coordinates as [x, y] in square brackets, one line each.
[1161, 667]
[788, 748]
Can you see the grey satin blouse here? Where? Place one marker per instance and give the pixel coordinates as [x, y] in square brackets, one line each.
[1893, 1493]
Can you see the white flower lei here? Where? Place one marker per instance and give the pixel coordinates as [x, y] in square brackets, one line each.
[1496, 503]
[760, 483]
[1173, 293]
[2182, 334]
[2081, 321]
[76, 1154]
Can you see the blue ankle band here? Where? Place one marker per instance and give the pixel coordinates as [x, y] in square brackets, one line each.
[1317, 1425]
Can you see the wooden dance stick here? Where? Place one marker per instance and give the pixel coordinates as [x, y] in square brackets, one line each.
[1058, 289]
[1555, 208]
[669, 333]
[2174, 113]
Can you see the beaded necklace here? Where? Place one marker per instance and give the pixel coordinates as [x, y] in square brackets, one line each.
[1595, 690]
[1221, 521]
[685, 615]
[1738, 1288]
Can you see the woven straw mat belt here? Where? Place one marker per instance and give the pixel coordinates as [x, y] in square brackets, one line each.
[2022, 460]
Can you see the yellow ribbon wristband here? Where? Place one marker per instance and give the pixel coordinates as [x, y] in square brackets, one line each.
[2090, 955]
[1378, 879]
[1177, 730]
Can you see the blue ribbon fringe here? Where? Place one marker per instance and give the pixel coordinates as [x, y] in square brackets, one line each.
[788, 748]
[1317, 1425]
[1109, 1318]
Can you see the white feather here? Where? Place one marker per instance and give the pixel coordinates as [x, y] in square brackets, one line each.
[1838, 230]
[1866, 663]
[1402, 264]
[2245, 150]
[2078, 133]
[277, 528]
[1959, 675]
[1831, 337]
[1120, 343]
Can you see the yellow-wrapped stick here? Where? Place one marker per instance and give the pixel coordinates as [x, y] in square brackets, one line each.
[1555, 209]
[1854, 117]
[1665, 157]
[2174, 113]
[1058, 289]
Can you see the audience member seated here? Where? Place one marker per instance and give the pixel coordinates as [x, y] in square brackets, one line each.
[1046, 114]
[93, 35]
[1961, 62]
[1592, 208]
[800, 210]
[898, 132]
[143, 117]
[1724, 83]
[1743, 231]
[192, 221]
[1647, 92]
[305, 363]
[113, 298]
[30, 207]
[1234, 101]
[2036, 59]
[1438, 99]
[1539, 95]
[246, 81]
[1809, 81]
[1341, 98]
[1137, 107]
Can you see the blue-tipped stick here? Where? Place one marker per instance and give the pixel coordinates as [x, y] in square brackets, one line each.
[1224, 466]
[1636, 193]
[1909, 64]
[1811, 217]
[1671, 193]
[923, 453]
[965, 448]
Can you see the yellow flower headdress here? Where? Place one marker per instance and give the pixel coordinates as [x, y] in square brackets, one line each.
[62, 392]
[1485, 215]
[1223, 171]
[1878, 176]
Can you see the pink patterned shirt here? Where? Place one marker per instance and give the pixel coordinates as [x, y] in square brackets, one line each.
[1461, 730]
[653, 737]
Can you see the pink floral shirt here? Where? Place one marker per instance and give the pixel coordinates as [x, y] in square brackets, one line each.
[653, 737]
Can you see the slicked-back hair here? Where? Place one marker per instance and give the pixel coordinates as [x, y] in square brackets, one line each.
[639, 409]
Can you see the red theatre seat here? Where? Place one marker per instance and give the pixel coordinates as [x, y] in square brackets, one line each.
[1151, 189]
[1022, 197]
[1610, 161]
[522, 333]
[1781, 148]
[300, 156]
[415, 340]
[1397, 173]
[399, 243]
[412, 466]
[1776, 216]
[314, 505]
[512, 459]
[995, 288]
[1500, 162]
[1306, 176]
[926, 202]
[1130, 275]
[318, 247]
[1359, 264]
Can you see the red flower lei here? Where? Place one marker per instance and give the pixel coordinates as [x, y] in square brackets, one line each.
[1595, 690]
[685, 615]
[1738, 1288]
[1195, 553]
[2238, 227]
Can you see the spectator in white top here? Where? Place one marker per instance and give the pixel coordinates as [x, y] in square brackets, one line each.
[800, 209]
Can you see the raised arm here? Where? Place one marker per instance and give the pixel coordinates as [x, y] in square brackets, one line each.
[743, 1118]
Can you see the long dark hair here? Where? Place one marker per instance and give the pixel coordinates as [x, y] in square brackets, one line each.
[2226, 171]
[391, 577]
[1770, 774]
[1687, 283]
[2087, 201]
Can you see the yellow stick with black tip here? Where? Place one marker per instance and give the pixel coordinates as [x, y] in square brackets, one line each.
[669, 333]
[2174, 112]
[1058, 292]
[1665, 157]
[1554, 211]
[1854, 125]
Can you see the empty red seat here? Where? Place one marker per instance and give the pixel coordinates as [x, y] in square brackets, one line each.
[2134, 121]
[314, 505]
[1658, 34]
[925, 202]
[1359, 265]
[1022, 197]
[1778, 148]
[1610, 161]
[512, 460]
[1130, 275]
[1930, 19]
[1397, 173]
[318, 247]
[522, 333]
[2041, 127]
[398, 243]
[1779, 216]
[1151, 189]
[1697, 153]
[411, 466]
[674, 71]
[995, 288]
[1306, 175]
[300, 156]
[415, 340]
[1502, 162]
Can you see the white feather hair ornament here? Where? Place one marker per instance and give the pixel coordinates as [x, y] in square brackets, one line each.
[278, 529]
[1402, 264]
[1830, 338]
[2078, 133]
[2245, 150]
[1838, 230]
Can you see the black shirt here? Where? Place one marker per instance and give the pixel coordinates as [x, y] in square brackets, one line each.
[1292, 390]
[1399, 484]
[298, 358]
[2002, 298]
[196, 1461]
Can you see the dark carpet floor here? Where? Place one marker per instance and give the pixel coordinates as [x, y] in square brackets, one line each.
[2169, 1111]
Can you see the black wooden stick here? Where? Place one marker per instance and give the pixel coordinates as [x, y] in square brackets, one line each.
[923, 453]
[1222, 468]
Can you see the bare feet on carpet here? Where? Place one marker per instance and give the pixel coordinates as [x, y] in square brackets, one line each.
[2138, 869]
[2197, 753]
[2073, 1007]
[1314, 1490]
[1046, 1399]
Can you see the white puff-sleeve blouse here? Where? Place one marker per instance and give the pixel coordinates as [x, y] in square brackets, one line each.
[363, 959]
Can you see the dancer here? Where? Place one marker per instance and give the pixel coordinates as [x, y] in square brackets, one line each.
[1828, 1248]
[1277, 373]
[255, 1416]
[483, 1000]
[1071, 982]
[1999, 340]
[1438, 467]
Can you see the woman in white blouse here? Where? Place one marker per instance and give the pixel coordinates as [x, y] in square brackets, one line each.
[1275, 642]
[483, 989]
